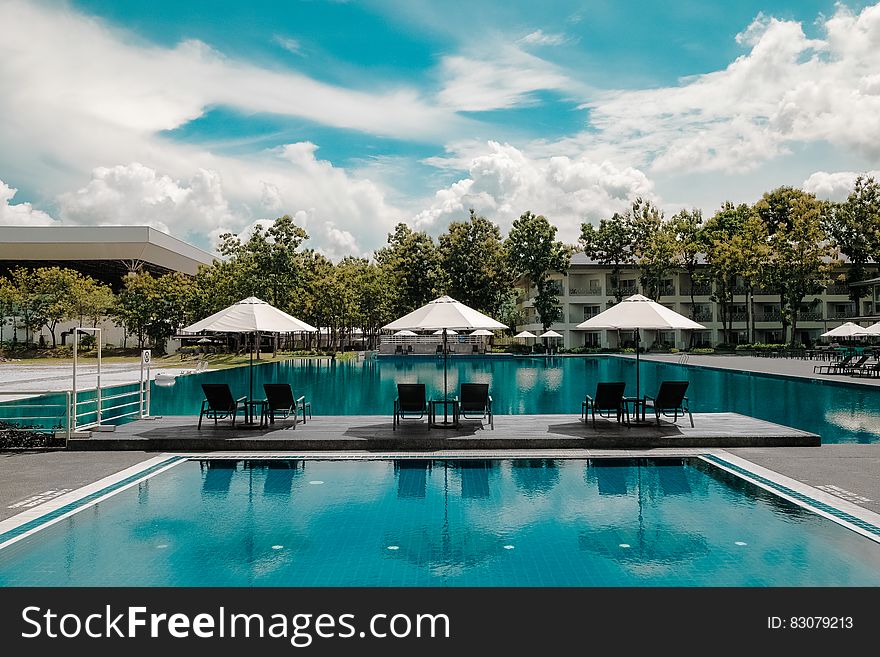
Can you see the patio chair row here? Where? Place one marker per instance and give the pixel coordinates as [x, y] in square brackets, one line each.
[670, 400]
[851, 366]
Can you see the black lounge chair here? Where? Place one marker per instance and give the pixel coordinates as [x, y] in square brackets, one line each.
[670, 399]
[280, 401]
[851, 367]
[411, 403]
[831, 368]
[870, 370]
[609, 397]
[475, 402]
[219, 403]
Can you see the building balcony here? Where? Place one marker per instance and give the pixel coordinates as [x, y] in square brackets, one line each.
[623, 291]
[772, 316]
[837, 288]
[667, 291]
[585, 291]
[810, 316]
[738, 317]
[701, 290]
[702, 316]
[739, 289]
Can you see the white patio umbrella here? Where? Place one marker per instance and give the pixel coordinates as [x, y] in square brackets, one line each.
[405, 333]
[444, 314]
[482, 332]
[448, 332]
[251, 315]
[639, 312]
[873, 329]
[525, 334]
[550, 334]
[849, 330]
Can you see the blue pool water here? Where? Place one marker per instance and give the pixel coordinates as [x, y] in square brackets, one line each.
[839, 413]
[417, 522]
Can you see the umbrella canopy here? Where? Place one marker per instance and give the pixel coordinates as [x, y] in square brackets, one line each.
[525, 334]
[550, 334]
[204, 340]
[248, 316]
[849, 330]
[873, 329]
[448, 332]
[443, 314]
[405, 333]
[251, 315]
[639, 312]
[482, 332]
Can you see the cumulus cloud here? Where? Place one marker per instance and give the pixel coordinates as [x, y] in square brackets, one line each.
[835, 186]
[137, 194]
[504, 182]
[786, 89]
[19, 214]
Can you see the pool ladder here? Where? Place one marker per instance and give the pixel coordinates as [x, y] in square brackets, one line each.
[683, 359]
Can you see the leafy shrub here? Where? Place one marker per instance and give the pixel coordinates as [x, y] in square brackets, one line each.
[702, 350]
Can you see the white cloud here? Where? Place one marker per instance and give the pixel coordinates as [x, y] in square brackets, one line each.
[137, 194]
[504, 182]
[787, 89]
[289, 44]
[19, 214]
[496, 78]
[541, 38]
[835, 186]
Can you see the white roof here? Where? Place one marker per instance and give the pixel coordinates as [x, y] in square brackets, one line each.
[444, 313]
[251, 314]
[849, 330]
[639, 312]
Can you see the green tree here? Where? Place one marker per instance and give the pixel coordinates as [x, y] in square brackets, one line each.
[687, 226]
[722, 260]
[91, 301]
[610, 244]
[473, 261]
[854, 227]
[54, 289]
[412, 261]
[533, 251]
[750, 251]
[654, 246]
[800, 249]
[267, 264]
[20, 293]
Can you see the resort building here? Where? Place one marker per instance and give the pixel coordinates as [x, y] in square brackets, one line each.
[106, 253]
[586, 289]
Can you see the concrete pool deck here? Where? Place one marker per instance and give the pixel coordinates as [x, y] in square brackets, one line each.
[375, 433]
[790, 367]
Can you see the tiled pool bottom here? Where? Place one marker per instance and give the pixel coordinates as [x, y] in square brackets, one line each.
[412, 522]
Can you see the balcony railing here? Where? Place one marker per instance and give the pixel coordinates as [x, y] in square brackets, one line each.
[700, 290]
[837, 288]
[771, 316]
[841, 314]
[667, 291]
[810, 315]
[585, 291]
[703, 316]
[738, 317]
[739, 289]
[623, 291]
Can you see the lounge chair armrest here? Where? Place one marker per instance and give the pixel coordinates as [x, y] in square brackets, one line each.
[301, 399]
[490, 399]
[589, 399]
[647, 397]
[241, 399]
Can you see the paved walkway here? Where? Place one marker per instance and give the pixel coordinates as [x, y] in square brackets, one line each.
[31, 478]
[54, 378]
[786, 366]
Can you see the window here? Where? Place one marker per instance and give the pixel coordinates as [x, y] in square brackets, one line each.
[591, 339]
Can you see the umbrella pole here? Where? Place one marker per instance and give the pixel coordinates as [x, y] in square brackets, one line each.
[638, 368]
[445, 393]
[251, 371]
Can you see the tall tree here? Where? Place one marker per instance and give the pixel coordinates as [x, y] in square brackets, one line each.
[854, 227]
[687, 226]
[610, 244]
[474, 263]
[800, 249]
[722, 260]
[533, 251]
[750, 251]
[654, 246]
[134, 305]
[267, 264]
[413, 261]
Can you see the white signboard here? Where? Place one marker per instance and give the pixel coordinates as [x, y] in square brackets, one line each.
[146, 356]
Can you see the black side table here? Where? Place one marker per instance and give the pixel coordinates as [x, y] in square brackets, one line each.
[445, 406]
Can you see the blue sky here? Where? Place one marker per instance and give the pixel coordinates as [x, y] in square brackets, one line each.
[202, 117]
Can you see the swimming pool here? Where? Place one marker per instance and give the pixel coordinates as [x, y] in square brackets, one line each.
[840, 414]
[557, 385]
[415, 522]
